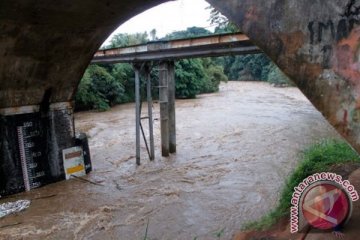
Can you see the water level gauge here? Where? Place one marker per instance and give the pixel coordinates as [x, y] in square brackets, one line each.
[32, 150]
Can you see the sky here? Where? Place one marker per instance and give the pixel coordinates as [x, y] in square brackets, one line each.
[168, 17]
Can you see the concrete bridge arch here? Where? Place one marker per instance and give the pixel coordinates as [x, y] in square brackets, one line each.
[46, 46]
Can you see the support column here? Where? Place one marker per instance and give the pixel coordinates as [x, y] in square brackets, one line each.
[164, 112]
[137, 112]
[150, 115]
[61, 135]
[171, 107]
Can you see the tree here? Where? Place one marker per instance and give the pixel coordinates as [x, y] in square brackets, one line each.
[250, 67]
[125, 39]
[189, 74]
[124, 73]
[214, 75]
[188, 33]
[104, 85]
[98, 90]
[216, 18]
[247, 67]
[277, 77]
[87, 97]
[153, 35]
[196, 75]
[223, 24]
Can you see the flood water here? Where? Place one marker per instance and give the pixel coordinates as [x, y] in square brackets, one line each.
[234, 150]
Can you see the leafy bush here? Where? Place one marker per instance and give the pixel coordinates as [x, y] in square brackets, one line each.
[188, 33]
[126, 39]
[189, 74]
[106, 85]
[98, 90]
[194, 76]
[214, 75]
[124, 74]
[87, 97]
[252, 65]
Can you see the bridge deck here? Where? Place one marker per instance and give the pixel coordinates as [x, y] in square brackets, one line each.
[209, 46]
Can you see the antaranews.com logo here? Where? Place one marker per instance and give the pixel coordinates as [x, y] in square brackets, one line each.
[323, 201]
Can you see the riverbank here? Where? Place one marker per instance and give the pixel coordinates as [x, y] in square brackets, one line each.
[281, 230]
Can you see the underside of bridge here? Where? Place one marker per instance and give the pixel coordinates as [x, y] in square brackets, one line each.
[45, 47]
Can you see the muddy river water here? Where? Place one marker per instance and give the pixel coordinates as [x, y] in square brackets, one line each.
[234, 150]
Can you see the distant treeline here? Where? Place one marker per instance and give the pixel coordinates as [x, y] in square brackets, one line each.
[104, 85]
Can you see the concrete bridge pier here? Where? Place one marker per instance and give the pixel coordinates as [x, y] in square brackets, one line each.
[137, 69]
[150, 113]
[164, 108]
[167, 107]
[31, 142]
[171, 106]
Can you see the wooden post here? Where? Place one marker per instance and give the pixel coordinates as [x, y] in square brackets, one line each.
[171, 107]
[164, 112]
[137, 112]
[150, 116]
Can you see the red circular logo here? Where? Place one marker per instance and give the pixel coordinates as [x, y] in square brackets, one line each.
[325, 206]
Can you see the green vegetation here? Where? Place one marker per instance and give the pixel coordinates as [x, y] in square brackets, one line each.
[98, 89]
[188, 72]
[194, 76]
[105, 85]
[219, 233]
[277, 77]
[125, 39]
[253, 67]
[147, 230]
[317, 158]
[188, 33]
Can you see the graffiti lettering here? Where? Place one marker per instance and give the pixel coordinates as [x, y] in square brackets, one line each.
[328, 26]
[322, 34]
[320, 31]
[326, 31]
[312, 32]
[327, 52]
[351, 10]
[342, 29]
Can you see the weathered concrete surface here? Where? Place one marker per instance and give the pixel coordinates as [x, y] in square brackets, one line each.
[315, 42]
